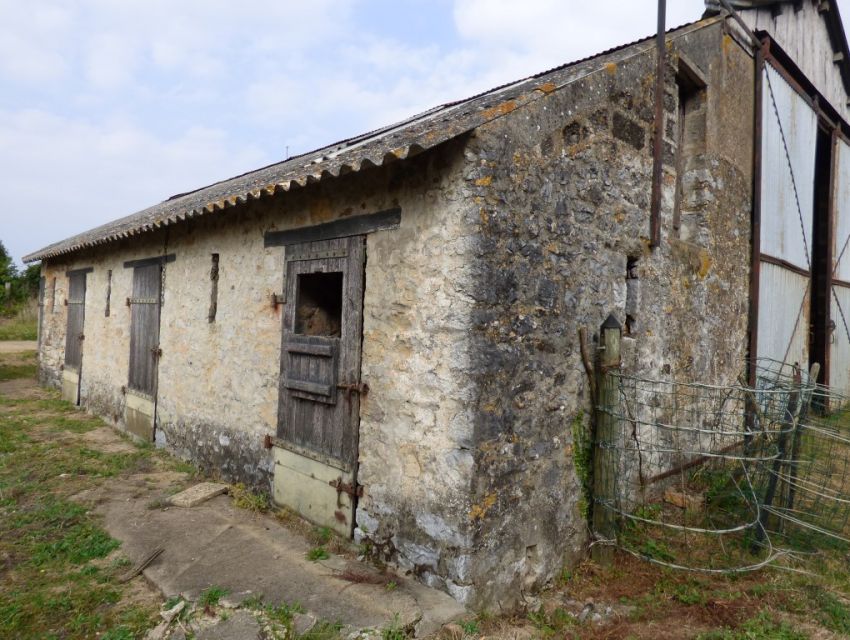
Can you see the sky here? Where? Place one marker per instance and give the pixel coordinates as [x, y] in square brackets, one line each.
[110, 106]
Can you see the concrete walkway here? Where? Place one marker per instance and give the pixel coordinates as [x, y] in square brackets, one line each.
[217, 544]
[18, 346]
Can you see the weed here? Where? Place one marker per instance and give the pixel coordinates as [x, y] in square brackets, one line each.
[323, 534]
[394, 630]
[761, 627]
[244, 498]
[391, 586]
[583, 462]
[318, 553]
[470, 627]
[282, 613]
[211, 596]
[323, 630]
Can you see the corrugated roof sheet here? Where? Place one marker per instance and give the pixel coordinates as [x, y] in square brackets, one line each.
[396, 142]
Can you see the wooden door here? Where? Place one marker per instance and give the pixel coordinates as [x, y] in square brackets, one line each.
[319, 405]
[74, 336]
[144, 349]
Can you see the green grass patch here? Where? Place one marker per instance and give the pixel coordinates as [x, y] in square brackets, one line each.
[760, 627]
[51, 585]
[19, 329]
[16, 371]
[318, 553]
[210, 597]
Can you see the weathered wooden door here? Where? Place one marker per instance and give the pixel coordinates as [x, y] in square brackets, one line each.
[144, 349]
[73, 370]
[319, 407]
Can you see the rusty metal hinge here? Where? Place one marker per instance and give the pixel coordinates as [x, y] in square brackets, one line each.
[82, 336]
[353, 387]
[278, 299]
[157, 352]
[352, 489]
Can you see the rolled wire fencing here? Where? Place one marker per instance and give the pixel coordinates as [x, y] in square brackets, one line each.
[727, 478]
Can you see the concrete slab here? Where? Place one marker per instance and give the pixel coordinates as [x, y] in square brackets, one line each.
[240, 625]
[216, 544]
[198, 494]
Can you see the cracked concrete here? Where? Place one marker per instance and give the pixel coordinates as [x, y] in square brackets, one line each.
[217, 544]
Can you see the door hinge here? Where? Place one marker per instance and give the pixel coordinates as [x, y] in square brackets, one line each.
[82, 336]
[352, 489]
[157, 352]
[353, 387]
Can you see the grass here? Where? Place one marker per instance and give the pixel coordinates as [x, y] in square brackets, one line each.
[15, 366]
[19, 328]
[55, 581]
[211, 596]
[245, 498]
[318, 553]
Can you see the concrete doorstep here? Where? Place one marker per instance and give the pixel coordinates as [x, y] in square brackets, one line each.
[253, 557]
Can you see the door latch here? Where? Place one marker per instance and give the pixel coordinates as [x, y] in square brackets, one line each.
[353, 387]
[353, 489]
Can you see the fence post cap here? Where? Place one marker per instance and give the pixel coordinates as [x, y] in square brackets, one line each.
[611, 323]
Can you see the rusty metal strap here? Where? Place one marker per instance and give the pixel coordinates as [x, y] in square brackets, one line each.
[317, 255]
[142, 300]
[76, 301]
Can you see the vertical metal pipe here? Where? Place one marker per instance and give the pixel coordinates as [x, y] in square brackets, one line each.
[755, 258]
[658, 139]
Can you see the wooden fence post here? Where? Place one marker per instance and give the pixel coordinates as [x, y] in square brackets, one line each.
[604, 437]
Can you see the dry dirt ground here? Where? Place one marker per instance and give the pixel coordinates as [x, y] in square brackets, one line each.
[69, 485]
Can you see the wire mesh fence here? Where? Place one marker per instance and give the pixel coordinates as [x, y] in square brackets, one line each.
[727, 478]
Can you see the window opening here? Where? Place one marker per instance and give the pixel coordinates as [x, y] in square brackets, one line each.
[213, 289]
[318, 311]
[632, 295]
[690, 136]
[108, 291]
[53, 295]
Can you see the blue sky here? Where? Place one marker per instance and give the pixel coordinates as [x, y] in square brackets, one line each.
[110, 106]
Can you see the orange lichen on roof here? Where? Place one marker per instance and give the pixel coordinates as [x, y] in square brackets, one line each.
[499, 110]
[611, 68]
[547, 87]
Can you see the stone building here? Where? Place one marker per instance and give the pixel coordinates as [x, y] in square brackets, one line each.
[384, 332]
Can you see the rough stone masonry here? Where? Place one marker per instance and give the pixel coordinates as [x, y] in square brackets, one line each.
[512, 237]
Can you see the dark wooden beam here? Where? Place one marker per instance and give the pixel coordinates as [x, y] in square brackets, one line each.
[342, 228]
[144, 262]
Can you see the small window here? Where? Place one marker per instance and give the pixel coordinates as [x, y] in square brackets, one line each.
[690, 138]
[318, 311]
[213, 289]
[53, 296]
[108, 291]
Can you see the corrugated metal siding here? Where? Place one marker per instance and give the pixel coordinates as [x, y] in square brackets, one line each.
[783, 324]
[839, 361]
[841, 247]
[783, 234]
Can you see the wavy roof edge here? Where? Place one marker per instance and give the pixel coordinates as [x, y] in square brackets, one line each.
[394, 142]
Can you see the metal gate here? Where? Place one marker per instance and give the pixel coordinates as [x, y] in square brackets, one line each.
[319, 408]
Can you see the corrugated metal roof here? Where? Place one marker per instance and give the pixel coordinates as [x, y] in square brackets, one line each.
[395, 142]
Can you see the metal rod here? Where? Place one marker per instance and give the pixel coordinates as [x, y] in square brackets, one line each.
[658, 139]
[753, 39]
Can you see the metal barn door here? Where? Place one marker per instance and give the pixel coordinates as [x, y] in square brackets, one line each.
[144, 350]
[319, 408]
[789, 135]
[839, 362]
[73, 370]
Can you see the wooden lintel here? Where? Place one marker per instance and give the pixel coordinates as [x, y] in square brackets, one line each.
[342, 228]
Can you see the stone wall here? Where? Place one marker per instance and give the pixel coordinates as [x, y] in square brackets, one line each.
[511, 239]
[562, 192]
[218, 381]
